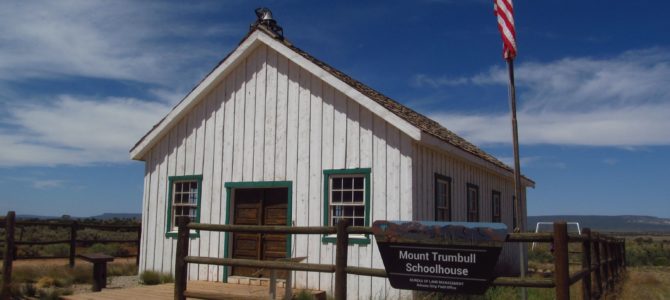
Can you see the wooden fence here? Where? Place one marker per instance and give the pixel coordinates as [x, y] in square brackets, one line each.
[10, 243]
[603, 259]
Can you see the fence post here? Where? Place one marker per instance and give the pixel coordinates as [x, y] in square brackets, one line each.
[9, 255]
[616, 255]
[73, 242]
[341, 260]
[181, 270]
[623, 253]
[596, 250]
[561, 263]
[139, 243]
[586, 264]
[613, 264]
[606, 265]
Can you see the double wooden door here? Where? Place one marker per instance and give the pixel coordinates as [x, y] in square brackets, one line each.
[259, 206]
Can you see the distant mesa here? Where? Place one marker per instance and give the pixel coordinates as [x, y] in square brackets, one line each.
[625, 223]
[105, 216]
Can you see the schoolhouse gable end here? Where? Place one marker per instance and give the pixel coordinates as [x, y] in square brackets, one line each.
[274, 136]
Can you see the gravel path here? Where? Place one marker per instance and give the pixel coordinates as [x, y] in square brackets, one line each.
[116, 282]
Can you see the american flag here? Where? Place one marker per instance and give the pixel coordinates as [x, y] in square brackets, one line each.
[505, 13]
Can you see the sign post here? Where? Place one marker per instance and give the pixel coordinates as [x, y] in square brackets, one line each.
[448, 257]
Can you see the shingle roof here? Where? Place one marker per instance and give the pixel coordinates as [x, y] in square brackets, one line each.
[422, 122]
[418, 120]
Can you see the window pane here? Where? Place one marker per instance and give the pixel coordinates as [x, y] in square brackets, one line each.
[358, 196]
[359, 211]
[337, 211]
[337, 197]
[347, 182]
[359, 222]
[346, 196]
[337, 183]
[358, 182]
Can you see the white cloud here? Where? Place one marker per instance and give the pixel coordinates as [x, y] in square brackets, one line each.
[421, 80]
[48, 183]
[620, 101]
[610, 161]
[136, 41]
[153, 46]
[76, 131]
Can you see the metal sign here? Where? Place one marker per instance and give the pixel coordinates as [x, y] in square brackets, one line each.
[450, 257]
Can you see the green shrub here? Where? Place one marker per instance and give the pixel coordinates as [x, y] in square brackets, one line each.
[121, 269]
[304, 295]
[57, 250]
[80, 274]
[540, 256]
[28, 289]
[150, 278]
[153, 278]
[166, 278]
[661, 261]
[109, 249]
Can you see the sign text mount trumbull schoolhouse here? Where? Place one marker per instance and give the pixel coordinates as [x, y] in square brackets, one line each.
[440, 256]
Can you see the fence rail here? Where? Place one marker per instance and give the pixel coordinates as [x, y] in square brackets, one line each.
[9, 223]
[603, 257]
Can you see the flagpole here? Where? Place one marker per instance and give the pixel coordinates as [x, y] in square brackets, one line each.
[517, 170]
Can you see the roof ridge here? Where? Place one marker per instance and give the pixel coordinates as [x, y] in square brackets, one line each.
[422, 122]
[415, 118]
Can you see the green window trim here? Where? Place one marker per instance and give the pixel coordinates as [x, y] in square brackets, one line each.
[476, 218]
[168, 221]
[438, 178]
[495, 218]
[256, 184]
[353, 240]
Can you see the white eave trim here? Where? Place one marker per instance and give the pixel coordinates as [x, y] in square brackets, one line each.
[139, 151]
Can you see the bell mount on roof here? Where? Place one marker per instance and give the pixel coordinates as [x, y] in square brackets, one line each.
[264, 17]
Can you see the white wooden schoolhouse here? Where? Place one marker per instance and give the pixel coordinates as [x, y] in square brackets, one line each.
[274, 136]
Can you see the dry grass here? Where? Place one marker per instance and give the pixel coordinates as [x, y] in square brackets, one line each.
[52, 278]
[646, 283]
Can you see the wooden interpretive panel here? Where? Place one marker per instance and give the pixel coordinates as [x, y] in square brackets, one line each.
[449, 257]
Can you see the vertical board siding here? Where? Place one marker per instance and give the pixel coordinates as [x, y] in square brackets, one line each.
[270, 120]
[366, 157]
[302, 179]
[217, 111]
[162, 202]
[259, 117]
[315, 195]
[430, 161]
[206, 238]
[270, 117]
[327, 149]
[249, 98]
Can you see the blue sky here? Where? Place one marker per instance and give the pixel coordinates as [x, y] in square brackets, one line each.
[82, 81]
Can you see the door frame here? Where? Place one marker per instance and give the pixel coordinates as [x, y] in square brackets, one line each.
[230, 186]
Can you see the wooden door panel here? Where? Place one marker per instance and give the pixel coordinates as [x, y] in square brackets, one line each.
[275, 216]
[245, 245]
[260, 207]
[248, 214]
